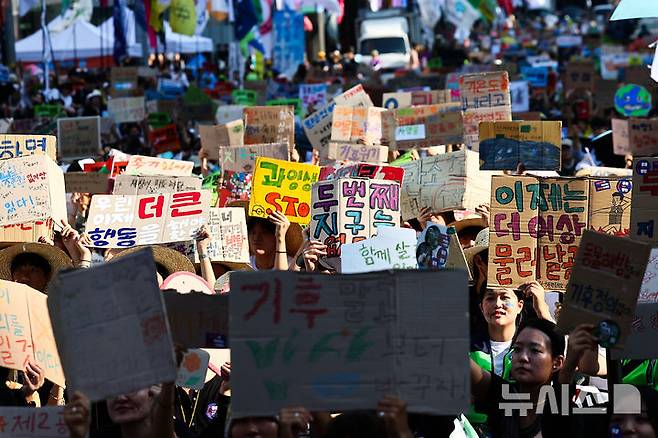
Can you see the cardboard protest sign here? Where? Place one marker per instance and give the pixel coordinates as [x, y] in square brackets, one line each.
[354, 124]
[620, 140]
[152, 166]
[313, 96]
[640, 344]
[642, 136]
[283, 186]
[432, 246]
[215, 136]
[28, 422]
[164, 139]
[362, 170]
[422, 126]
[269, 124]
[348, 210]
[473, 117]
[604, 285]
[197, 319]
[16, 145]
[645, 200]
[124, 81]
[123, 221]
[579, 75]
[484, 90]
[86, 182]
[27, 232]
[484, 97]
[317, 126]
[451, 181]
[127, 109]
[228, 113]
[632, 100]
[357, 152]
[393, 250]
[243, 158]
[503, 145]
[31, 189]
[89, 316]
[26, 333]
[79, 137]
[228, 232]
[150, 185]
[520, 96]
[537, 223]
[345, 312]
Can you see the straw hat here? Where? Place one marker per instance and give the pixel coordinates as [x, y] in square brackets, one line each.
[55, 257]
[481, 243]
[294, 236]
[171, 260]
[472, 220]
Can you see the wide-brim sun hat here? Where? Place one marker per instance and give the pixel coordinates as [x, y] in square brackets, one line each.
[55, 257]
[171, 260]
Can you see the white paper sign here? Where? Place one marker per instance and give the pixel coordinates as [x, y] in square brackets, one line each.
[123, 221]
[341, 342]
[111, 328]
[127, 109]
[44, 422]
[228, 231]
[394, 250]
[150, 166]
[31, 189]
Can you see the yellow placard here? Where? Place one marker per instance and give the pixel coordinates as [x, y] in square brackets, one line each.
[282, 186]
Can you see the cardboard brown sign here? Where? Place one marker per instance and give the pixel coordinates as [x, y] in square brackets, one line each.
[17, 145]
[243, 158]
[643, 136]
[604, 285]
[215, 136]
[270, 124]
[537, 223]
[86, 182]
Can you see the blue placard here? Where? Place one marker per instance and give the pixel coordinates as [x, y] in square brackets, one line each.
[536, 76]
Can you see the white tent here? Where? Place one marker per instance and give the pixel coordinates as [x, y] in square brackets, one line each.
[80, 40]
[178, 43]
[107, 30]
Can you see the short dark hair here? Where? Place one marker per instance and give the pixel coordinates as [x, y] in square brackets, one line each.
[30, 259]
[549, 328]
[266, 224]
